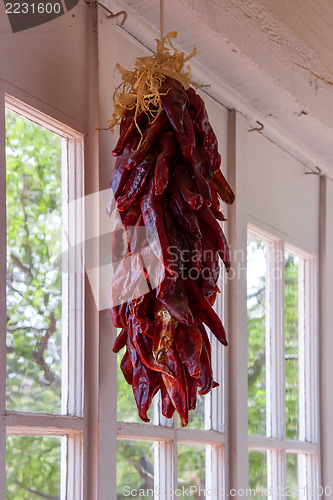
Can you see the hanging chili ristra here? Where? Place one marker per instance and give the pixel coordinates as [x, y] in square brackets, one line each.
[167, 181]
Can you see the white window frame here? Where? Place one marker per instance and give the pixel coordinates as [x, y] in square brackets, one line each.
[275, 442]
[71, 424]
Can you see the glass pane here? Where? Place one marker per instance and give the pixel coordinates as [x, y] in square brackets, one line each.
[292, 476]
[126, 407]
[33, 467]
[256, 317]
[291, 263]
[196, 417]
[34, 282]
[191, 470]
[135, 469]
[258, 474]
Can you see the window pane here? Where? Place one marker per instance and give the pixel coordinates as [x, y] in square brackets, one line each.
[196, 417]
[292, 476]
[291, 263]
[33, 467]
[256, 317]
[191, 470]
[135, 469]
[34, 281]
[258, 473]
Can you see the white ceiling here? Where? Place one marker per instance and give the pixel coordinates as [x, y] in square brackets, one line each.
[275, 57]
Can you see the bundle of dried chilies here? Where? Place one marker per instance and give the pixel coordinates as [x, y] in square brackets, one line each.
[167, 181]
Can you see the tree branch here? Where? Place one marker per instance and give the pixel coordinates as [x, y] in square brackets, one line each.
[25, 269]
[13, 288]
[38, 353]
[25, 224]
[28, 328]
[37, 493]
[255, 370]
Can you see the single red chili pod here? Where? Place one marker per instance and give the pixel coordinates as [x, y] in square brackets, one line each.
[223, 188]
[203, 311]
[192, 385]
[120, 341]
[177, 387]
[188, 342]
[145, 384]
[164, 162]
[153, 130]
[174, 101]
[126, 367]
[167, 407]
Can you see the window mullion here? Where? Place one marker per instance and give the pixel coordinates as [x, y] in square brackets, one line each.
[163, 456]
[308, 465]
[214, 409]
[75, 283]
[303, 360]
[215, 474]
[276, 472]
[275, 341]
[165, 469]
[311, 347]
[74, 476]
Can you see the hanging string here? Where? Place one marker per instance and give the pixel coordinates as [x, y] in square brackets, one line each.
[161, 19]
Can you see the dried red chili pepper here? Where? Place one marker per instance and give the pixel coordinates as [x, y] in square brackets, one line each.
[172, 294]
[223, 188]
[120, 341]
[177, 387]
[185, 216]
[174, 101]
[186, 186]
[151, 207]
[188, 342]
[168, 188]
[202, 309]
[167, 407]
[164, 331]
[145, 384]
[135, 183]
[126, 367]
[168, 152]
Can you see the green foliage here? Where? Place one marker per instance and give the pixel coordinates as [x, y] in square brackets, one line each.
[34, 298]
[135, 467]
[291, 346]
[191, 468]
[33, 190]
[256, 328]
[258, 473]
[33, 466]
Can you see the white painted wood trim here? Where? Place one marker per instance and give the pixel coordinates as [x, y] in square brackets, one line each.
[127, 430]
[74, 466]
[107, 44]
[41, 423]
[290, 446]
[91, 320]
[76, 266]
[325, 329]
[23, 107]
[164, 469]
[275, 341]
[237, 471]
